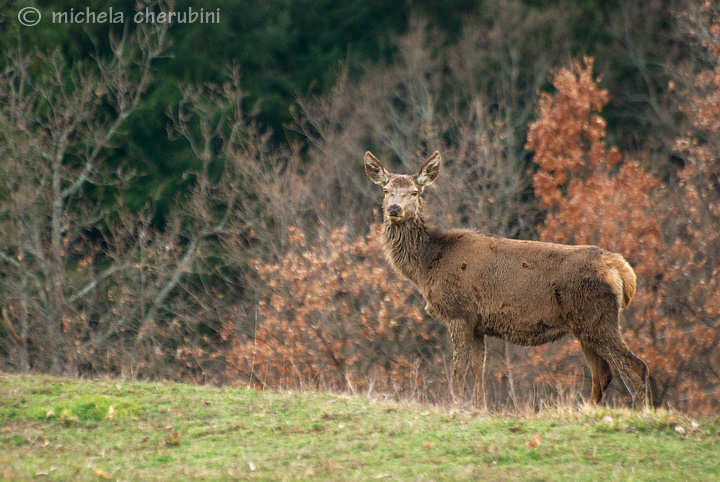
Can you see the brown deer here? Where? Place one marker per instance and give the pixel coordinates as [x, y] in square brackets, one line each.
[526, 292]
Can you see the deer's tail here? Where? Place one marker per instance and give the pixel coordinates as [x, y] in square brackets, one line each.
[621, 277]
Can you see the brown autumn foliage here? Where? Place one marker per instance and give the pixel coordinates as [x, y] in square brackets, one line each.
[335, 317]
[668, 234]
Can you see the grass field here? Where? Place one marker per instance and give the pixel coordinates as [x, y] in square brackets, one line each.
[76, 430]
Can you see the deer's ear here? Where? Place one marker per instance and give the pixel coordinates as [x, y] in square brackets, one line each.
[430, 170]
[375, 171]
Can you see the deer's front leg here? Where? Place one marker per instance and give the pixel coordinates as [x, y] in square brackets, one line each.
[462, 341]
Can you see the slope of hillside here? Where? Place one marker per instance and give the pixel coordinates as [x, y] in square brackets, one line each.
[63, 429]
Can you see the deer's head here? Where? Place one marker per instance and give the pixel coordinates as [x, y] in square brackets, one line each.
[402, 193]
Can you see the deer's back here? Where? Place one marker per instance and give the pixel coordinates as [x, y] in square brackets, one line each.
[490, 277]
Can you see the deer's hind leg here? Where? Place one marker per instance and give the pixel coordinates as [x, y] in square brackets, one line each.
[629, 365]
[601, 374]
[609, 346]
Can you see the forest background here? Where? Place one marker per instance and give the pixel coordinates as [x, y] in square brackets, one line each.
[188, 201]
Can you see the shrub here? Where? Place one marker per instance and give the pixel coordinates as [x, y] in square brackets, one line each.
[335, 317]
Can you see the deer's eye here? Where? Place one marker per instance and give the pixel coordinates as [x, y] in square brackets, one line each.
[414, 193]
[385, 191]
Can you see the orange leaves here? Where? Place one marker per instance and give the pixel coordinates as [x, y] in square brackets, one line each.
[535, 441]
[567, 122]
[102, 474]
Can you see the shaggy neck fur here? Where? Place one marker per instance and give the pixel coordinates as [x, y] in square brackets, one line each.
[411, 247]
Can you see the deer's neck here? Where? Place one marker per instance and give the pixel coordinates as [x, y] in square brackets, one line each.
[411, 248]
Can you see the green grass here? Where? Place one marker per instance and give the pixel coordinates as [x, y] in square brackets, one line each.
[60, 429]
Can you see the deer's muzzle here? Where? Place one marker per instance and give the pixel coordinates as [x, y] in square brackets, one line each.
[394, 210]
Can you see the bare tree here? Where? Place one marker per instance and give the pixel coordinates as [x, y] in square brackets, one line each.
[58, 125]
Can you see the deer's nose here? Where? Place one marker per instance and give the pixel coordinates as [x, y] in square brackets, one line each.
[394, 210]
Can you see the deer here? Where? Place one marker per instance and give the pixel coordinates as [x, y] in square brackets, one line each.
[528, 293]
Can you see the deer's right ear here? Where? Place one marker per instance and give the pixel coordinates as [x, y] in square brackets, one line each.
[375, 171]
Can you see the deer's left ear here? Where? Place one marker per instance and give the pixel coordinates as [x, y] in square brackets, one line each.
[430, 170]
